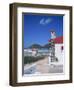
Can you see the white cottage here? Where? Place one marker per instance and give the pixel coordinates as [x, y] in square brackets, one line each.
[59, 48]
[34, 52]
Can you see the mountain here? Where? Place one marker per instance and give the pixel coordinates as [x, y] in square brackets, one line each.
[39, 46]
[35, 46]
[47, 46]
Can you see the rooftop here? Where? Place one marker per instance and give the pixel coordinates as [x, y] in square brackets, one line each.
[58, 40]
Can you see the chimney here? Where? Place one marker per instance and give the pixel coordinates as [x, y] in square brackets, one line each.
[53, 35]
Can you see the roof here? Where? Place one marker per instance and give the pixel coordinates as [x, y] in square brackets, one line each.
[58, 40]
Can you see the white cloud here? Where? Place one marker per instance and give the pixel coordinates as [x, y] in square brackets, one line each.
[42, 21]
[48, 20]
[45, 21]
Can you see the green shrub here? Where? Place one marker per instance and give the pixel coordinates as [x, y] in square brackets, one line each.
[31, 59]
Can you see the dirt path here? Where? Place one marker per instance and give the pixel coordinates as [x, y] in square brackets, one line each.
[42, 65]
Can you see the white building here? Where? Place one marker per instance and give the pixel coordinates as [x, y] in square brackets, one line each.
[36, 52]
[59, 48]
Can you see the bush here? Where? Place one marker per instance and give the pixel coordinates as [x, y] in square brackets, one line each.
[31, 59]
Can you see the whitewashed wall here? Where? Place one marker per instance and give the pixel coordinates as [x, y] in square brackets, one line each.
[59, 53]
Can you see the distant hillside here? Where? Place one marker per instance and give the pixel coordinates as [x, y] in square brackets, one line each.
[39, 46]
[47, 46]
[35, 46]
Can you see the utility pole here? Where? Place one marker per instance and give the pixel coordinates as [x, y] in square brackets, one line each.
[52, 51]
[53, 36]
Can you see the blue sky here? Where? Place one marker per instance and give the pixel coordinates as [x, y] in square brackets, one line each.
[37, 28]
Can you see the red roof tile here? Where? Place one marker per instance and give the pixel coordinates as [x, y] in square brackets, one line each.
[58, 40]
